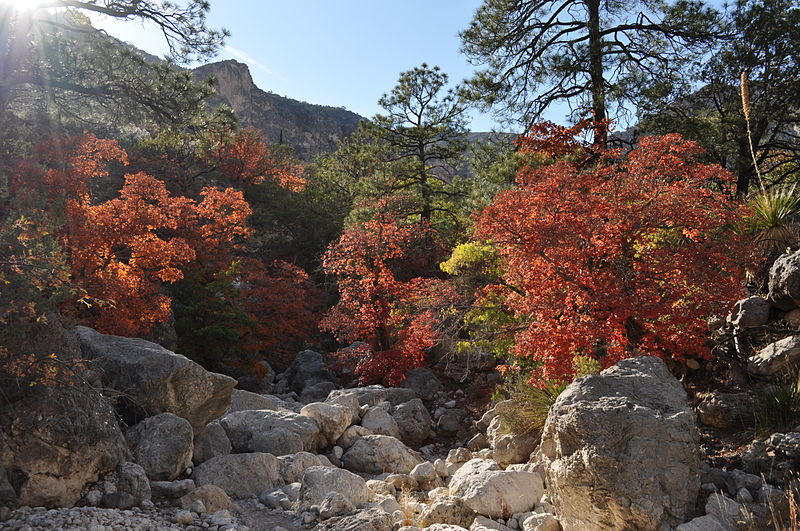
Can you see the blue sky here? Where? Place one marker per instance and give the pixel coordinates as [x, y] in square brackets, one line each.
[342, 53]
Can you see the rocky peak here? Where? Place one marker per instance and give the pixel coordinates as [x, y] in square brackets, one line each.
[310, 129]
[234, 82]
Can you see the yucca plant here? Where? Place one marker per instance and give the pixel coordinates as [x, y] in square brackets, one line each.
[773, 218]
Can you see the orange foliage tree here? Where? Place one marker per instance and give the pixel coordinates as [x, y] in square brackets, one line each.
[122, 250]
[394, 320]
[611, 255]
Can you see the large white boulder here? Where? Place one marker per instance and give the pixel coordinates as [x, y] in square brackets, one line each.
[274, 432]
[496, 493]
[151, 379]
[375, 454]
[332, 419]
[620, 449]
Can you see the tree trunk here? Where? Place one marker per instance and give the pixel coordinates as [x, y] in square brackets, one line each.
[596, 73]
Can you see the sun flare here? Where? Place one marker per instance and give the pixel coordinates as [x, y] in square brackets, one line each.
[22, 5]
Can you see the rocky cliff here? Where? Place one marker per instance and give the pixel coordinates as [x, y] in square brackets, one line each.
[310, 129]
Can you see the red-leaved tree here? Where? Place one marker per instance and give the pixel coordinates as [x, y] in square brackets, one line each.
[394, 319]
[611, 255]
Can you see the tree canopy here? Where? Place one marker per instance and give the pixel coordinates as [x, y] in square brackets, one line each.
[590, 53]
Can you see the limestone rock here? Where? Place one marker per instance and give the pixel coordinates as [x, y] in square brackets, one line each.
[245, 400]
[776, 357]
[621, 450]
[373, 395]
[332, 419]
[510, 448]
[348, 400]
[374, 519]
[293, 466]
[378, 421]
[275, 432]
[213, 498]
[374, 454]
[448, 510]
[413, 420]
[211, 442]
[750, 312]
[703, 523]
[239, 474]
[318, 482]
[725, 410]
[541, 522]
[492, 492]
[171, 490]
[57, 439]
[132, 479]
[153, 380]
[350, 435]
[162, 445]
[308, 369]
[426, 476]
[784, 281]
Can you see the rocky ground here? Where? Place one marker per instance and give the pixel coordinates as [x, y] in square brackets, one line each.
[147, 439]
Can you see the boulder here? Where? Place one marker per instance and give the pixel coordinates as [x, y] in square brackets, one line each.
[621, 449]
[319, 481]
[447, 510]
[214, 499]
[171, 490]
[481, 523]
[239, 475]
[350, 436]
[332, 419]
[211, 442]
[703, 523]
[784, 282]
[275, 432]
[335, 504]
[510, 448]
[496, 493]
[372, 395]
[374, 519]
[293, 466]
[162, 445]
[425, 475]
[151, 379]
[132, 479]
[725, 410]
[541, 522]
[55, 440]
[317, 391]
[378, 421]
[245, 400]
[307, 370]
[750, 312]
[375, 454]
[413, 420]
[423, 382]
[348, 400]
[776, 358]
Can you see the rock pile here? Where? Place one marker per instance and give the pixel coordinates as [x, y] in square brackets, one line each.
[619, 449]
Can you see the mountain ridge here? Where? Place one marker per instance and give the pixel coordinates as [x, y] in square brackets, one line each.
[309, 128]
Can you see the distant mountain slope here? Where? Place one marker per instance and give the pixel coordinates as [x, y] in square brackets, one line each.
[310, 129]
